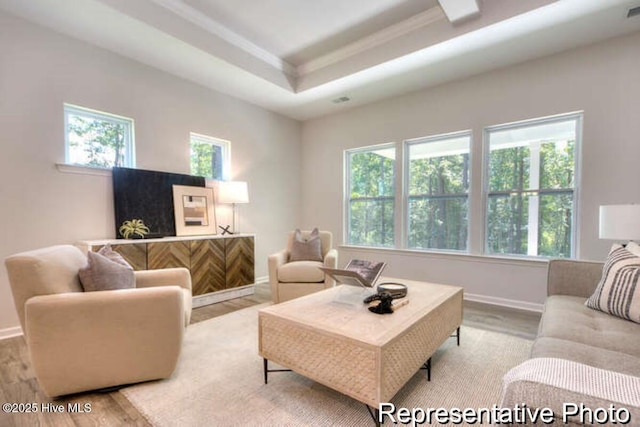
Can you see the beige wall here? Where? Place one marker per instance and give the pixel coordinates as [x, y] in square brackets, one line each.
[602, 80]
[40, 69]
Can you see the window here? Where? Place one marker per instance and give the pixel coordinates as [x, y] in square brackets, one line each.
[371, 195]
[531, 186]
[210, 157]
[97, 139]
[438, 186]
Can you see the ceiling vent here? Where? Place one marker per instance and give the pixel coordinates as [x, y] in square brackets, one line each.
[633, 12]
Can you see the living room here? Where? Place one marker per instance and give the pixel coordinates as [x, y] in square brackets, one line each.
[295, 167]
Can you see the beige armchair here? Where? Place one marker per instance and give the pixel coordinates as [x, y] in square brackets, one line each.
[82, 341]
[291, 280]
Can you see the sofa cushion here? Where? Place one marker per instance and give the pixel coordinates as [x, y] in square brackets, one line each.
[586, 354]
[309, 249]
[618, 292]
[566, 317]
[301, 271]
[103, 274]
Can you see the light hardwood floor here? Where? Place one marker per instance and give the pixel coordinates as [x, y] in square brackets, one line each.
[110, 408]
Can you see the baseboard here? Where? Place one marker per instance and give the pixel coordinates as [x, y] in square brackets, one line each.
[16, 331]
[520, 305]
[263, 279]
[227, 294]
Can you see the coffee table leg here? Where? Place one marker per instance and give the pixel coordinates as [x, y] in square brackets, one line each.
[265, 368]
[429, 369]
[375, 413]
[427, 366]
[457, 336]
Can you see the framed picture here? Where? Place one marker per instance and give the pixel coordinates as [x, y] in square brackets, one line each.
[194, 212]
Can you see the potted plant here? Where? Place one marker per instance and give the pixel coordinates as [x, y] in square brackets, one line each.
[133, 229]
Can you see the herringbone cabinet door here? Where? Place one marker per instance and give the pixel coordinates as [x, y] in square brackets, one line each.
[207, 266]
[168, 255]
[239, 261]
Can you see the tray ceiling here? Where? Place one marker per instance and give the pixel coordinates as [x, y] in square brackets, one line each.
[295, 57]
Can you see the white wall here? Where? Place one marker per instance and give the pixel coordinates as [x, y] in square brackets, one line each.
[602, 79]
[40, 206]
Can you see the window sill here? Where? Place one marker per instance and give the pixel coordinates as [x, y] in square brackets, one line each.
[83, 170]
[494, 259]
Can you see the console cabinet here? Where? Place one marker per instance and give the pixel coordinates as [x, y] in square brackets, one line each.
[222, 267]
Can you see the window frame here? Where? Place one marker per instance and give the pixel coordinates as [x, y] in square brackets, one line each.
[406, 172]
[129, 137]
[578, 117]
[224, 144]
[347, 193]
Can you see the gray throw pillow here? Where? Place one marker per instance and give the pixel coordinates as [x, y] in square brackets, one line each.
[309, 249]
[103, 274]
[618, 292]
[114, 256]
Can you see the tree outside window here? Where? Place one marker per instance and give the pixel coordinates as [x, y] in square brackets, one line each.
[209, 157]
[438, 187]
[531, 187]
[97, 139]
[371, 196]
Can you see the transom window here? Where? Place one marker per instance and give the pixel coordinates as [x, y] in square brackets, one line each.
[371, 195]
[438, 187]
[210, 157]
[97, 139]
[531, 185]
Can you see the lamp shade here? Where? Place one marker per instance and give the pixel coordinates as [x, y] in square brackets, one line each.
[233, 192]
[620, 222]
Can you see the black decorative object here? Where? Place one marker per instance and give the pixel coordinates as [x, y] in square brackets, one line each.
[225, 230]
[385, 306]
[148, 196]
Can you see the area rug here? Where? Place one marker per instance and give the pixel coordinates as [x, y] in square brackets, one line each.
[219, 381]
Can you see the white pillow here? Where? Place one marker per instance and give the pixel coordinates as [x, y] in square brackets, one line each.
[618, 292]
[634, 248]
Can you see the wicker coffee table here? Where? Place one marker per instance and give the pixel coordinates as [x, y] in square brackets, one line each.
[366, 356]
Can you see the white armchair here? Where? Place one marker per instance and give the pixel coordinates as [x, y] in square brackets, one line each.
[293, 279]
[82, 341]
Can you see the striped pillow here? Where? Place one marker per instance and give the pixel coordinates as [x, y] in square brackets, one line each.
[618, 292]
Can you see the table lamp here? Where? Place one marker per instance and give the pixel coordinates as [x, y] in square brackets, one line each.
[620, 222]
[233, 192]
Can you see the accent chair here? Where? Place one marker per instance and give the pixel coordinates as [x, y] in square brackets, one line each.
[293, 279]
[81, 341]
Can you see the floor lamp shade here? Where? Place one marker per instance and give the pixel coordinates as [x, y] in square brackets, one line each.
[620, 222]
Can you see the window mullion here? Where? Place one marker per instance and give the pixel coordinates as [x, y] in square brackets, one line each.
[534, 198]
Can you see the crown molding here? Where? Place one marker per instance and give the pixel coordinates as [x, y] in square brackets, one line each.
[214, 27]
[386, 35]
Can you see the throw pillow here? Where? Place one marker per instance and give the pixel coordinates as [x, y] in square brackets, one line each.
[114, 256]
[309, 249]
[633, 247]
[618, 292]
[103, 274]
